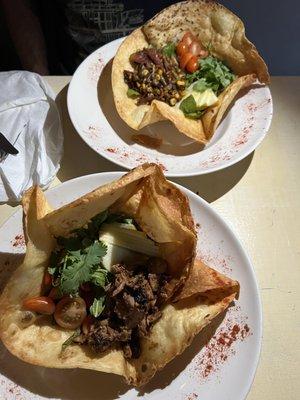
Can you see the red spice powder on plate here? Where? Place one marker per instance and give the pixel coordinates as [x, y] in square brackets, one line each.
[220, 347]
[19, 241]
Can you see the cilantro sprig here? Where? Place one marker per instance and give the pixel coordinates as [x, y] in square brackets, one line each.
[212, 74]
[78, 259]
[79, 266]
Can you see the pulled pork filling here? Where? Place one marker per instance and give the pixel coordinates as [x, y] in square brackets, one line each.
[155, 76]
[134, 297]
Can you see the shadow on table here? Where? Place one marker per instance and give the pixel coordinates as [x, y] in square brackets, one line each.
[79, 159]
[213, 186]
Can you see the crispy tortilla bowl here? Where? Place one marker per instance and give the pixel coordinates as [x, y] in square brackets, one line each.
[197, 293]
[219, 30]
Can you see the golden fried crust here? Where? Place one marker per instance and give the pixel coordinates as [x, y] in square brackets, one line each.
[216, 27]
[163, 212]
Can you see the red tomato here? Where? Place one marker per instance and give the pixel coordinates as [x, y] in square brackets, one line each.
[195, 48]
[184, 59]
[181, 48]
[47, 279]
[188, 38]
[87, 323]
[70, 312]
[41, 305]
[192, 65]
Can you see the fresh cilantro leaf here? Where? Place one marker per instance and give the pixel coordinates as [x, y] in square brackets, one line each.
[216, 75]
[133, 94]
[79, 265]
[70, 340]
[97, 307]
[169, 49]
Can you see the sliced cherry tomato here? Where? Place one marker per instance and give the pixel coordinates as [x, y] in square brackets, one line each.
[188, 38]
[47, 279]
[192, 65]
[41, 305]
[184, 59]
[87, 323]
[181, 48]
[70, 312]
[195, 48]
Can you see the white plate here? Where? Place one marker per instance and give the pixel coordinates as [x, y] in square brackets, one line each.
[183, 378]
[94, 116]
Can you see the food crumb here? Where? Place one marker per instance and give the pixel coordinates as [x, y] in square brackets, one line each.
[111, 150]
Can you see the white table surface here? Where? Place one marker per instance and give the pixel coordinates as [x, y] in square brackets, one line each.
[260, 198]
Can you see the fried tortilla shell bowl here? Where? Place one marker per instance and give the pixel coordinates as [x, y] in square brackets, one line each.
[216, 27]
[199, 292]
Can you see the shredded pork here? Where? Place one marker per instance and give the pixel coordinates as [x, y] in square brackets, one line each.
[133, 305]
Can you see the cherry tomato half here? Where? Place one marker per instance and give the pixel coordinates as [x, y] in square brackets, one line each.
[181, 48]
[41, 305]
[70, 312]
[192, 64]
[195, 48]
[184, 59]
[188, 38]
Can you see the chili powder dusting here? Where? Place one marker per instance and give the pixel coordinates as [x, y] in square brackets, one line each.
[220, 347]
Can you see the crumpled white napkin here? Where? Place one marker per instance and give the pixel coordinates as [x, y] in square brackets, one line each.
[29, 119]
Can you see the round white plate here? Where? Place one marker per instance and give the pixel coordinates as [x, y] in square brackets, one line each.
[211, 372]
[94, 116]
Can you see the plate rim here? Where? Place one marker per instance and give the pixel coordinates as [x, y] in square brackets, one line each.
[190, 194]
[107, 156]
